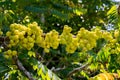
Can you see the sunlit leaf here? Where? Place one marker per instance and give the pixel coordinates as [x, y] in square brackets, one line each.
[35, 67]
[39, 72]
[78, 12]
[112, 10]
[118, 71]
[47, 76]
[94, 66]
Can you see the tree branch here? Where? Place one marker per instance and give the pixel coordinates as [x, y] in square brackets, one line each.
[21, 67]
[57, 69]
[77, 69]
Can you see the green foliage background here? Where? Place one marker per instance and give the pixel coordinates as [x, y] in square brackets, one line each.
[54, 14]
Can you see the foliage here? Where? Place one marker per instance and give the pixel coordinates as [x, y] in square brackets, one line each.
[67, 39]
[27, 42]
[75, 13]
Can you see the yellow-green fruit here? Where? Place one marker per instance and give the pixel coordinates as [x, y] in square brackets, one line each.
[14, 53]
[0, 49]
[15, 37]
[30, 39]
[31, 44]
[1, 32]
[16, 32]
[25, 40]
[9, 52]
[24, 45]
[67, 29]
[6, 56]
[30, 53]
[8, 33]
[55, 45]
[21, 35]
[46, 50]
[29, 31]
[116, 33]
[11, 41]
[33, 36]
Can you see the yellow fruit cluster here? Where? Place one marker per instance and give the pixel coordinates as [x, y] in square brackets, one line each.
[115, 45]
[71, 47]
[116, 33]
[51, 40]
[24, 36]
[16, 34]
[114, 42]
[107, 36]
[27, 36]
[86, 39]
[10, 53]
[36, 32]
[69, 40]
[66, 36]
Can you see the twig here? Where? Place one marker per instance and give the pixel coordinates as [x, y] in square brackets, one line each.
[21, 67]
[48, 62]
[77, 69]
[57, 69]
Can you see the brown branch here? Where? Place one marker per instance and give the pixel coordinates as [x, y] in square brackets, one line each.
[57, 69]
[48, 62]
[77, 69]
[21, 68]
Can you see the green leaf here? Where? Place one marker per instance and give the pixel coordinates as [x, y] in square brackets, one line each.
[35, 67]
[50, 73]
[36, 9]
[112, 14]
[58, 14]
[103, 55]
[54, 77]
[112, 10]
[84, 74]
[3, 68]
[118, 71]
[1, 18]
[78, 12]
[94, 66]
[47, 76]
[39, 72]
[45, 73]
